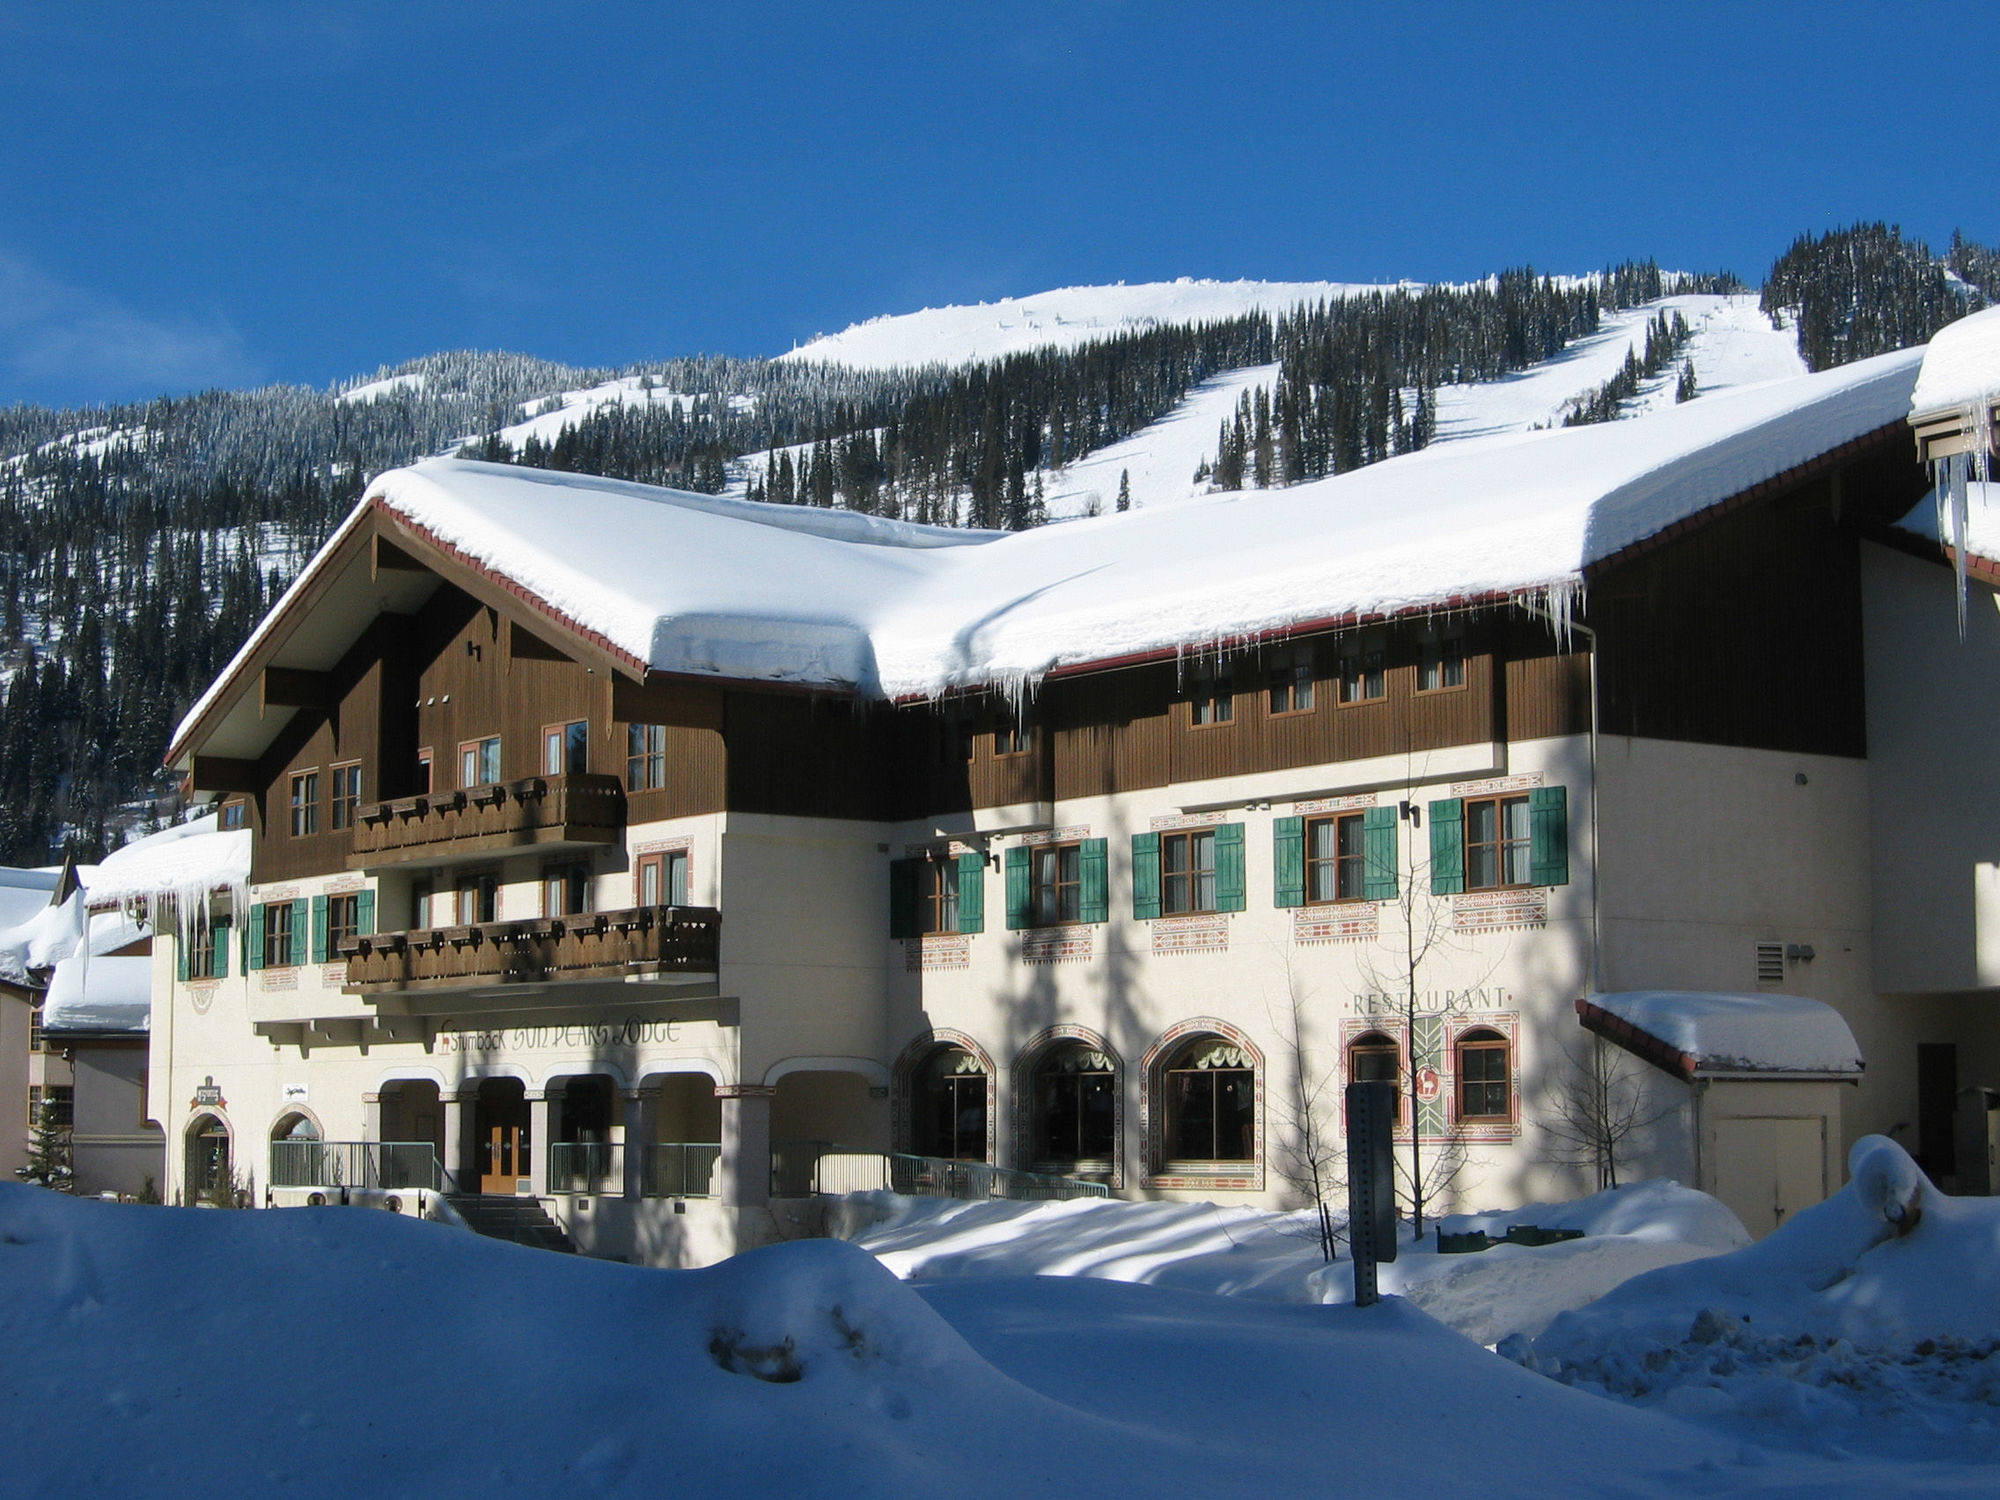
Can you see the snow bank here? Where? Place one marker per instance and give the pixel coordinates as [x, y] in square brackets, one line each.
[1869, 1322]
[47, 937]
[339, 1352]
[1741, 1033]
[100, 994]
[1275, 1257]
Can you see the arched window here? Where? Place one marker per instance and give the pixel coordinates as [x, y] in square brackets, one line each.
[1375, 1057]
[950, 1106]
[295, 1127]
[1484, 1068]
[1210, 1088]
[1074, 1109]
[206, 1167]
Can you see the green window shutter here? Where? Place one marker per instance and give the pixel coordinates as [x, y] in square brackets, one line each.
[222, 947]
[181, 961]
[971, 892]
[1231, 889]
[301, 914]
[902, 898]
[253, 940]
[1379, 855]
[1288, 859]
[1447, 847]
[1548, 835]
[364, 914]
[1145, 876]
[1093, 897]
[1018, 895]
[319, 929]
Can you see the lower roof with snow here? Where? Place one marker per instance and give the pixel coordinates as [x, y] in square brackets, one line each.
[1700, 1034]
[684, 584]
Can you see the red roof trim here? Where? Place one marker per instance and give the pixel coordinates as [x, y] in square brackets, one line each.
[1641, 1044]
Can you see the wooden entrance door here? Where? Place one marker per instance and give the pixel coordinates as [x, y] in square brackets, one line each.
[503, 1141]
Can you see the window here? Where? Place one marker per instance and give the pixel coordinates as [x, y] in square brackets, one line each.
[937, 894]
[62, 1101]
[233, 815]
[479, 762]
[343, 922]
[566, 748]
[305, 803]
[1013, 739]
[1441, 665]
[420, 903]
[662, 879]
[36, 1041]
[1496, 842]
[1362, 678]
[1483, 1068]
[951, 738]
[1374, 1057]
[1336, 858]
[1211, 1100]
[1057, 875]
[566, 890]
[1290, 680]
[950, 1114]
[346, 796]
[1187, 871]
[208, 952]
[1210, 698]
[478, 898]
[1074, 1107]
[424, 782]
[280, 941]
[645, 757]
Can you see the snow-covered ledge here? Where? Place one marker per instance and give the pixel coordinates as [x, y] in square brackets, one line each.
[1956, 402]
[1699, 1034]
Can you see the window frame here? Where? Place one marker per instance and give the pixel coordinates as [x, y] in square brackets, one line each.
[304, 803]
[665, 861]
[281, 941]
[570, 883]
[1189, 880]
[1364, 675]
[232, 814]
[645, 757]
[937, 878]
[475, 758]
[426, 771]
[343, 921]
[1046, 1082]
[1483, 1041]
[1211, 697]
[1046, 904]
[1176, 1066]
[566, 748]
[206, 940]
[1439, 656]
[1522, 844]
[1341, 864]
[344, 795]
[1290, 683]
[479, 886]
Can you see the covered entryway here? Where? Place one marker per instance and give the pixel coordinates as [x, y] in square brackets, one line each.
[206, 1172]
[502, 1136]
[582, 1157]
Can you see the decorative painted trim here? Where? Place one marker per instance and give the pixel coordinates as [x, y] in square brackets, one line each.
[745, 1090]
[1500, 911]
[1023, 1080]
[1197, 934]
[937, 950]
[1352, 803]
[1188, 820]
[1221, 1176]
[1054, 945]
[1342, 922]
[672, 845]
[1066, 835]
[1487, 786]
[903, 1075]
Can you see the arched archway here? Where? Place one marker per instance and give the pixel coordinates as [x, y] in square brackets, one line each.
[207, 1169]
[1204, 1103]
[1069, 1110]
[945, 1085]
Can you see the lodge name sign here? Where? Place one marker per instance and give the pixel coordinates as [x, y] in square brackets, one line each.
[594, 1036]
[1431, 1002]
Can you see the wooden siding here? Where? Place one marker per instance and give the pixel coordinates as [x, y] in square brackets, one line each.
[697, 764]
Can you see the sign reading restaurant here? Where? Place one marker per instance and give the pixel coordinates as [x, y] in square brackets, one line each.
[632, 1032]
[1436, 1002]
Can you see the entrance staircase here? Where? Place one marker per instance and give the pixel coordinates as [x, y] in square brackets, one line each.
[522, 1220]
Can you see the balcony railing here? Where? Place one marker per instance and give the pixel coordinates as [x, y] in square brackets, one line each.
[536, 811]
[355, 1164]
[682, 1169]
[802, 1168]
[541, 950]
[585, 1167]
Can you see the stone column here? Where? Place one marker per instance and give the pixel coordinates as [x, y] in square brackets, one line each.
[746, 1143]
[538, 1143]
[642, 1123]
[457, 1125]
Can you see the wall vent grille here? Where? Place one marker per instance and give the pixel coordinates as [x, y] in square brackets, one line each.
[1770, 963]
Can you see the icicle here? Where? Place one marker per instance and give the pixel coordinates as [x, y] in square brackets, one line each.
[1959, 468]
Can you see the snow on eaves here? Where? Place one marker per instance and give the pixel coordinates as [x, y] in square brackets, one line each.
[1720, 1033]
[99, 995]
[1961, 365]
[700, 585]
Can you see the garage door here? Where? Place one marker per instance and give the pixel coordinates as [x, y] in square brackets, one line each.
[1768, 1168]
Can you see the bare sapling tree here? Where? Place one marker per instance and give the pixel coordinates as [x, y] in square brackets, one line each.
[1598, 1105]
[1309, 1154]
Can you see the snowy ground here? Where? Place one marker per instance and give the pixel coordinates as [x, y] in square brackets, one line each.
[336, 1352]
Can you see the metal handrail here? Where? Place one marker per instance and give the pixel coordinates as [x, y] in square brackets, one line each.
[805, 1168]
[681, 1169]
[582, 1166]
[354, 1164]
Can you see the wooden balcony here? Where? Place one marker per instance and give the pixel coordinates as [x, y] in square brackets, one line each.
[540, 812]
[642, 942]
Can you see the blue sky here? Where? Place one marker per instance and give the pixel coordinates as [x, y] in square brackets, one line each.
[222, 194]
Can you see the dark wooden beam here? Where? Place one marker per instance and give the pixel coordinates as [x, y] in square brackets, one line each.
[387, 557]
[528, 646]
[290, 687]
[215, 773]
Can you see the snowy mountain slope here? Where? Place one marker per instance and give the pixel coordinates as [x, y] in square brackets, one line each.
[1059, 319]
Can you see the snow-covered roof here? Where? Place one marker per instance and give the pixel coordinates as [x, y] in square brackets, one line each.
[99, 995]
[23, 893]
[50, 934]
[187, 861]
[699, 585]
[1961, 365]
[1698, 1033]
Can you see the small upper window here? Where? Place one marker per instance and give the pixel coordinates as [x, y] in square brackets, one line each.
[233, 815]
[1496, 842]
[662, 879]
[566, 890]
[424, 782]
[346, 796]
[1441, 665]
[305, 803]
[1483, 1076]
[479, 762]
[645, 757]
[1013, 739]
[280, 942]
[1290, 681]
[343, 921]
[478, 898]
[1336, 858]
[937, 894]
[1210, 695]
[1056, 883]
[566, 748]
[1362, 675]
[1187, 871]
